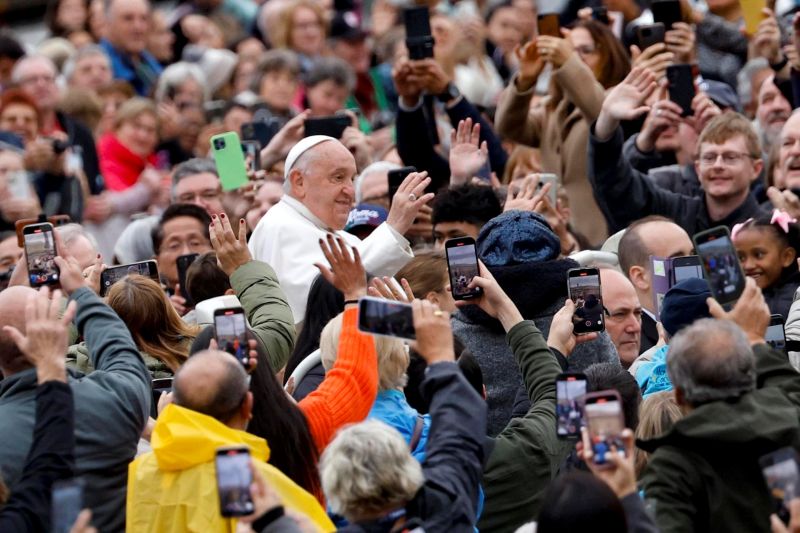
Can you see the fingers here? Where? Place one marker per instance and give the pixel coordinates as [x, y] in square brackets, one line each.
[407, 289]
[715, 309]
[586, 337]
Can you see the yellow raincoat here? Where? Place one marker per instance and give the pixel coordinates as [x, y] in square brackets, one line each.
[173, 489]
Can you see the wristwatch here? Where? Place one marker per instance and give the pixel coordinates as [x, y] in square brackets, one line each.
[451, 92]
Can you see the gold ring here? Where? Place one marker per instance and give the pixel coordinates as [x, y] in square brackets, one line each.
[438, 313]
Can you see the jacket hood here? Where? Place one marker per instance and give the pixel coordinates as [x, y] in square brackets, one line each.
[759, 420]
[184, 438]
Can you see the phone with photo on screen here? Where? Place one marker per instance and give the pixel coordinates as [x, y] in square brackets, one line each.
[386, 318]
[605, 423]
[686, 267]
[111, 275]
[230, 331]
[776, 334]
[252, 155]
[462, 265]
[234, 477]
[40, 251]
[720, 263]
[570, 390]
[583, 286]
[782, 475]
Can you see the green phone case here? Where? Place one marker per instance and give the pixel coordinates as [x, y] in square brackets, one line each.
[228, 157]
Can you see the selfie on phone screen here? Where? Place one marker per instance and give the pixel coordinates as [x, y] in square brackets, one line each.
[569, 409]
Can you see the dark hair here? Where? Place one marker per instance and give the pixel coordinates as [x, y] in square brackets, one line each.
[324, 302]
[51, 18]
[334, 69]
[275, 61]
[205, 279]
[632, 251]
[177, 211]
[10, 47]
[789, 239]
[611, 376]
[578, 502]
[614, 60]
[222, 405]
[416, 374]
[469, 366]
[475, 204]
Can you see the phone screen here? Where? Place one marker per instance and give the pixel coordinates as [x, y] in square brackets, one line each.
[252, 152]
[112, 275]
[234, 478]
[231, 333]
[66, 505]
[604, 421]
[781, 473]
[570, 391]
[462, 262]
[385, 317]
[776, 336]
[40, 249]
[183, 263]
[684, 272]
[584, 290]
[721, 265]
[396, 178]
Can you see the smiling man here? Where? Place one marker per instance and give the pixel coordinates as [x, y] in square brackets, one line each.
[787, 175]
[319, 194]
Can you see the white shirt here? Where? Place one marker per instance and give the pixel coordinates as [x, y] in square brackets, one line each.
[287, 238]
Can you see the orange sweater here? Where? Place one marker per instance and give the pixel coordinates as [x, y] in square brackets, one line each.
[350, 387]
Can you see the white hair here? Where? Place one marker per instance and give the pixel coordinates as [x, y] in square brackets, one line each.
[88, 50]
[374, 168]
[16, 74]
[70, 232]
[174, 76]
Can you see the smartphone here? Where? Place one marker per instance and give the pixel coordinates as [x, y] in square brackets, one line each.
[332, 126]
[667, 12]
[386, 317]
[462, 265]
[780, 470]
[776, 336]
[162, 384]
[605, 423]
[600, 14]
[752, 15]
[252, 155]
[570, 390]
[553, 179]
[66, 504]
[720, 264]
[583, 286]
[549, 25]
[215, 110]
[686, 267]
[261, 131]
[649, 34]
[40, 250]
[113, 274]
[680, 84]
[230, 330]
[396, 178]
[229, 159]
[55, 220]
[234, 477]
[183, 263]
[419, 39]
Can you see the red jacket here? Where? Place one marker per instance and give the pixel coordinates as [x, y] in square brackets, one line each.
[120, 167]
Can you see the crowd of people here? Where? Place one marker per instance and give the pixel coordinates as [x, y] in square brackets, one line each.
[124, 408]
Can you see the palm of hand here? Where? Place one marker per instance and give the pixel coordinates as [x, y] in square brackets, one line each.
[466, 159]
[623, 101]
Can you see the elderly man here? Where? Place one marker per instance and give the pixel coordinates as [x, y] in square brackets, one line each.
[174, 486]
[128, 23]
[772, 113]
[623, 314]
[372, 185]
[78, 243]
[319, 173]
[739, 403]
[89, 69]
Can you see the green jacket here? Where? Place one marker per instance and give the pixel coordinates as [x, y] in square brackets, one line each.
[704, 474]
[79, 358]
[271, 320]
[526, 453]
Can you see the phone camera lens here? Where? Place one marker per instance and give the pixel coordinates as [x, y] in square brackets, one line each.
[219, 144]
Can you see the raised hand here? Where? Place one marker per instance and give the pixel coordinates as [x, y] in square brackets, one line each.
[530, 65]
[680, 41]
[346, 272]
[626, 101]
[289, 135]
[654, 58]
[554, 50]
[704, 111]
[232, 252]
[407, 82]
[618, 472]
[408, 200]
[493, 300]
[433, 331]
[766, 42]
[527, 196]
[467, 154]
[387, 288]
[664, 114]
[561, 335]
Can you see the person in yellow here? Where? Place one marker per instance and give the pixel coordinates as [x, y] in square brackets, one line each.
[173, 489]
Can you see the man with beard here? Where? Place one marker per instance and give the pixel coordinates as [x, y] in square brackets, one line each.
[772, 113]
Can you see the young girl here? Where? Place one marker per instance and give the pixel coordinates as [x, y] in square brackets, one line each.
[767, 248]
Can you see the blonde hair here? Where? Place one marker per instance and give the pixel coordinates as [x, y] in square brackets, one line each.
[657, 414]
[727, 126]
[132, 109]
[282, 34]
[393, 358]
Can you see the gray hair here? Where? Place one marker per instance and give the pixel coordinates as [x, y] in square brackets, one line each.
[175, 74]
[70, 232]
[711, 360]
[192, 167]
[367, 469]
[374, 168]
[16, 74]
[744, 79]
[83, 52]
[332, 68]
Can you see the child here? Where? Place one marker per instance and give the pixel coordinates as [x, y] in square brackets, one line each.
[767, 248]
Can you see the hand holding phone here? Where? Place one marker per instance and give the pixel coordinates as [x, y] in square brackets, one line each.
[234, 477]
[583, 287]
[230, 331]
[680, 79]
[720, 262]
[40, 254]
[111, 275]
[462, 266]
[386, 318]
[782, 475]
[605, 424]
[419, 39]
[570, 390]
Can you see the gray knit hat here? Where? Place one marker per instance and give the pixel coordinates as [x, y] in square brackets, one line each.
[517, 237]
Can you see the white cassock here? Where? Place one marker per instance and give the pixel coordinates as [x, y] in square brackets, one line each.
[287, 238]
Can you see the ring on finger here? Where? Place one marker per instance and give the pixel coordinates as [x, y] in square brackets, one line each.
[412, 197]
[438, 313]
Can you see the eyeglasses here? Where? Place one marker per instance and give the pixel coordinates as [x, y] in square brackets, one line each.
[207, 195]
[728, 158]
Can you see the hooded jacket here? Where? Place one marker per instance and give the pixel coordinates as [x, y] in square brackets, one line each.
[704, 474]
[174, 488]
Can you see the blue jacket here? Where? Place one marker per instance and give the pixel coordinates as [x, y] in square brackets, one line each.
[652, 376]
[392, 409]
[142, 76]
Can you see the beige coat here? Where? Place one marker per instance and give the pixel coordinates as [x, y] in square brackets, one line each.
[562, 136]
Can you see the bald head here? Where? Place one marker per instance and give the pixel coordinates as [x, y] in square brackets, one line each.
[12, 313]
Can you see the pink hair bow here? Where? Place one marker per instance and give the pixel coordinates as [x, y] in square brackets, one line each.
[783, 219]
[739, 227]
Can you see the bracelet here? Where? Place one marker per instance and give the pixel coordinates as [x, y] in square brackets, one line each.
[272, 515]
[777, 67]
[348, 302]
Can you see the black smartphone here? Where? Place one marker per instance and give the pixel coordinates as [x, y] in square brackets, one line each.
[183, 263]
[680, 84]
[649, 34]
[600, 14]
[66, 504]
[215, 110]
[419, 39]
[234, 477]
[570, 390]
[781, 472]
[396, 178]
[776, 335]
[720, 264]
[40, 251]
[230, 331]
[332, 126]
[113, 274]
[252, 155]
[462, 265]
[260, 131]
[549, 24]
[686, 267]
[667, 12]
[583, 286]
[386, 317]
[605, 423]
[157, 387]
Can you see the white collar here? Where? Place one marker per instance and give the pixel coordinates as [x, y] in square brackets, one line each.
[298, 206]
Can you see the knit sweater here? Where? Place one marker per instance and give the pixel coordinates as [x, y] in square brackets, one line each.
[350, 386]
